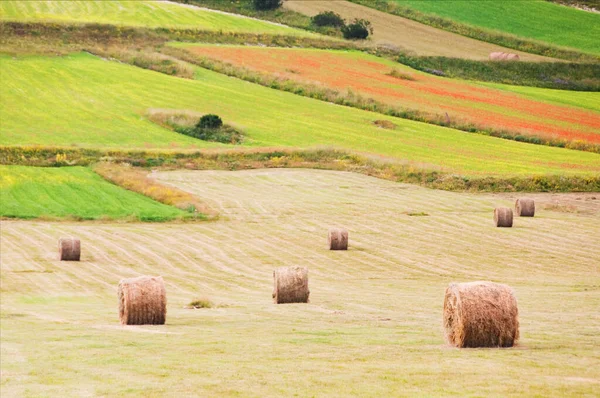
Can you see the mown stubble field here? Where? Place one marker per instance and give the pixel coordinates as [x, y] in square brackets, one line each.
[374, 324]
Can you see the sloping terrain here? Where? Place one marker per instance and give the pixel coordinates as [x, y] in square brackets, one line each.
[456, 100]
[374, 324]
[408, 35]
[77, 192]
[138, 13]
[533, 19]
[90, 102]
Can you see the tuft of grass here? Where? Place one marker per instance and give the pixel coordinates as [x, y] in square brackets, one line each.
[385, 124]
[201, 303]
[417, 214]
[401, 75]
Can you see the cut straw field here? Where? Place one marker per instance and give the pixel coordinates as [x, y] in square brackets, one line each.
[84, 101]
[407, 34]
[539, 20]
[374, 324]
[459, 101]
[138, 13]
[73, 192]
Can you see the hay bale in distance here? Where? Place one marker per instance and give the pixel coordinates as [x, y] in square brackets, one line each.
[142, 301]
[69, 249]
[290, 285]
[502, 56]
[337, 239]
[525, 207]
[480, 314]
[503, 217]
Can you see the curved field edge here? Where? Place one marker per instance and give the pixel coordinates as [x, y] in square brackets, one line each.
[152, 14]
[326, 159]
[113, 97]
[74, 193]
[476, 32]
[370, 83]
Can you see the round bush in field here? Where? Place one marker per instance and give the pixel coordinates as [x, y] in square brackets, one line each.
[503, 217]
[142, 301]
[69, 249]
[480, 314]
[328, 18]
[525, 207]
[337, 239]
[210, 121]
[290, 285]
[358, 29]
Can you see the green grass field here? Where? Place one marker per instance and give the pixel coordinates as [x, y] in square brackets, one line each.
[373, 327]
[539, 20]
[77, 192]
[84, 101]
[137, 13]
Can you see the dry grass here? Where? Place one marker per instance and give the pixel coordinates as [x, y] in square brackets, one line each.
[139, 180]
[171, 118]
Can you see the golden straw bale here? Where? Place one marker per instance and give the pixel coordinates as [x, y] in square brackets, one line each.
[290, 285]
[69, 249]
[142, 301]
[337, 239]
[525, 207]
[503, 217]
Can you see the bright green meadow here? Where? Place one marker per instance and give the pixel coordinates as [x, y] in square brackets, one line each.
[137, 13]
[539, 20]
[81, 100]
[31, 192]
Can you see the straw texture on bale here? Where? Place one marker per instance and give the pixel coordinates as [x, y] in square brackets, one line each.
[337, 239]
[142, 301]
[480, 314]
[503, 217]
[525, 207]
[69, 249]
[501, 56]
[290, 285]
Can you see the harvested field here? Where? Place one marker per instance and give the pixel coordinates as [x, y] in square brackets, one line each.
[408, 35]
[467, 103]
[373, 327]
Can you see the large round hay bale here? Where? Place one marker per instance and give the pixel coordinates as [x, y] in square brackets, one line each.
[142, 301]
[480, 314]
[503, 217]
[525, 207]
[69, 249]
[502, 56]
[290, 285]
[337, 239]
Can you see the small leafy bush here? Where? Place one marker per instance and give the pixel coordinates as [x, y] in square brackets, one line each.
[328, 18]
[210, 121]
[202, 303]
[358, 29]
[267, 4]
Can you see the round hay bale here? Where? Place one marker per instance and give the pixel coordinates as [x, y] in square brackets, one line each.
[142, 301]
[337, 239]
[525, 207]
[290, 285]
[69, 249]
[502, 56]
[480, 314]
[503, 217]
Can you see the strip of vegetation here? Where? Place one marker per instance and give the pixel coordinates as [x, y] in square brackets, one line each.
[502, 39]
[556, 75]
[369, 104]
[137, 180]
[329, 159]
[588, 5]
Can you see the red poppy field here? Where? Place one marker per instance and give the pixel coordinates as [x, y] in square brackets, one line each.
[463, 102]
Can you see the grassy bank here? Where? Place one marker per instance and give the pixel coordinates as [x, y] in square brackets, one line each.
[74, 193]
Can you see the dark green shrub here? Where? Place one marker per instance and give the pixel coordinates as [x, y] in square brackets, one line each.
[358, 29]
[209, 121]
[267, 4]
[328, 18]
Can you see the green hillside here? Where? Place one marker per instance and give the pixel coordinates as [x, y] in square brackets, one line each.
[30, 192]
[538, 20]
[85, 101]
[137, 13]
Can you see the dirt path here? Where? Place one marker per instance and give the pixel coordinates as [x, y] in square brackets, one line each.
[407, 34]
